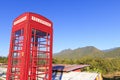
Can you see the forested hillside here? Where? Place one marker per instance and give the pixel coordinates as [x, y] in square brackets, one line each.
[106, 62]
[88, 51]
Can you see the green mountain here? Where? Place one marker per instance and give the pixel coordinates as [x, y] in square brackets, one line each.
[89, 51]
[115, 53]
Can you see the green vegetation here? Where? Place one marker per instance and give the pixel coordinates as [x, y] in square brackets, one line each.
[3, 59]
[89, 51]
[104, 66]
[105, 62]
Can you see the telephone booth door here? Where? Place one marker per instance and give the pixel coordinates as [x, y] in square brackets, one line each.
[40, 55]
[30, 55]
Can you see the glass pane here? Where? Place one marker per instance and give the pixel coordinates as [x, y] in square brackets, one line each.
[40, 50]
[17, 42]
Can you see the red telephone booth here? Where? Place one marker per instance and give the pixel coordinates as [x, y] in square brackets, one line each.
[30, 55]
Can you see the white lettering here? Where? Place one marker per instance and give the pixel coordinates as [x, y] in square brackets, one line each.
[41, 21]
[20, 20]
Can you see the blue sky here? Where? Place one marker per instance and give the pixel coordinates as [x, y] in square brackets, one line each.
[77, 23]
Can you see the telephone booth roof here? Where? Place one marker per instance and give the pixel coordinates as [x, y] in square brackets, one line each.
[33, 18]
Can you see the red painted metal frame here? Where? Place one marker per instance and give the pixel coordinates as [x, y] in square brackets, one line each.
[30, 54]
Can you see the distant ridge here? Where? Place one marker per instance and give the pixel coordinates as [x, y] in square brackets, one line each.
[108, 50]
[88, 51]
